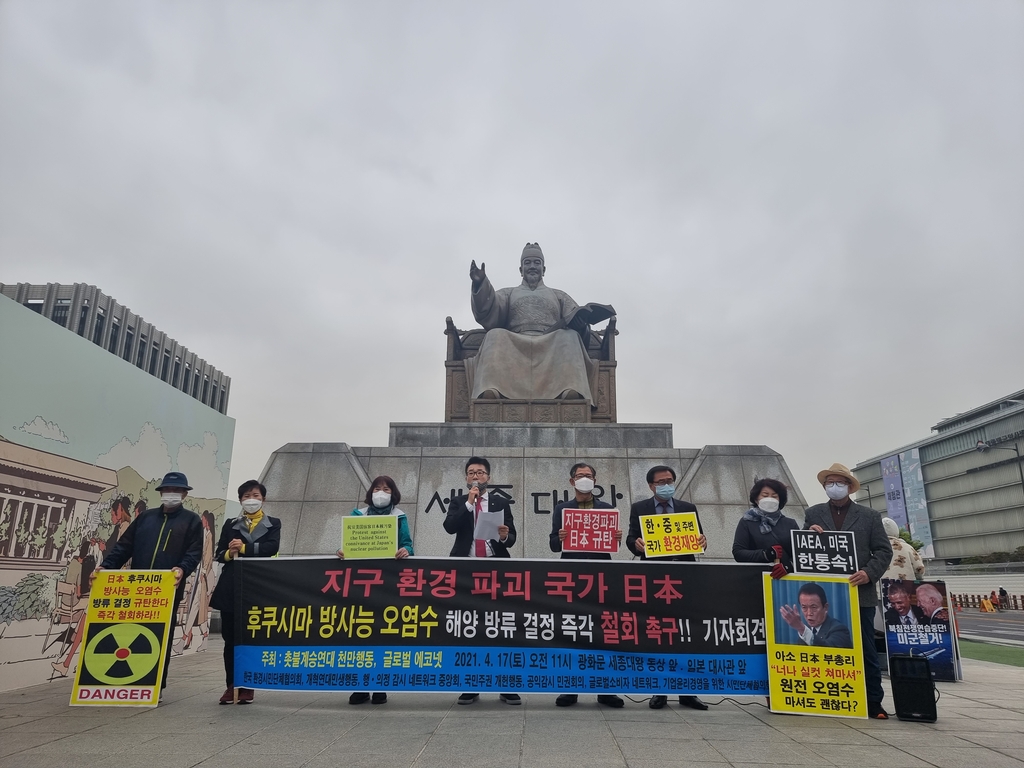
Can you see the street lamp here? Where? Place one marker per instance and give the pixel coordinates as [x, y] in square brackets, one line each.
[982, 446]
[867, 489]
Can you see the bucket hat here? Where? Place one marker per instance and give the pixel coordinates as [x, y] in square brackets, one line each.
[174, 480]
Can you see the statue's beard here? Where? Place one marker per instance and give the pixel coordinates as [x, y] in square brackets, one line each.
[532, 279]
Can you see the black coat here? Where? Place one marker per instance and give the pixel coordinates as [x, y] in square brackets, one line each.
[749, 544]
[462, 522]
[556, 525]
[874, 551]
[263, 541]
[648, 507]
[159, 541]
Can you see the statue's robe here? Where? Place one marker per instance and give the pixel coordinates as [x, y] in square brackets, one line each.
[533, 349]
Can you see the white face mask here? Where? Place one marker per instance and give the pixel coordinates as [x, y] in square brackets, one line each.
[768, 504]
[837, 491]
[252, 506]
[584, 484]
[381, 499]
[171, 500]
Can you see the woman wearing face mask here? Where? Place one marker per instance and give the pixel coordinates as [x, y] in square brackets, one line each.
[383, 499]
[252, 534]
[762, 534]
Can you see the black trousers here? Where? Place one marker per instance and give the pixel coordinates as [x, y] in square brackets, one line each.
[227, 631]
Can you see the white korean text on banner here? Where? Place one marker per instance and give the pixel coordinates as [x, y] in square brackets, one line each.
[500, 625]
[829, 553]
[918, 621]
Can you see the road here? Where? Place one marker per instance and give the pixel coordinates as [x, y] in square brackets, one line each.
[1007, 626]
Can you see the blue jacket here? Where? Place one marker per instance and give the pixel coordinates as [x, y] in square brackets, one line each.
[158, 541]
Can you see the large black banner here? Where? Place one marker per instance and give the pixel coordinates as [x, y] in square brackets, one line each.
[514, 626]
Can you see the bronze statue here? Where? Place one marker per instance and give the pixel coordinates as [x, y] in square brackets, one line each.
[535, 347]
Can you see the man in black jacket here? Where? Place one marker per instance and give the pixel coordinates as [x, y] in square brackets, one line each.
[461, 520]
[169, 537]
[464, 509]
[662, 482]
[582, 478]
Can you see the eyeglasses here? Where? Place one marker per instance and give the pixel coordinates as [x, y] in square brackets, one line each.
[660, 483]
[476, 473]
[583, 474]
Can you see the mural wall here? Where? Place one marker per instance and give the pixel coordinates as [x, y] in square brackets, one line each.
[84, 439]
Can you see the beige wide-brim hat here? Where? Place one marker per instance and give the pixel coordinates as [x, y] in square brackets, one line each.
[839, 469]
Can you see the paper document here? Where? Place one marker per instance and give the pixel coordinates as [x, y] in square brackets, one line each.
[487, 525]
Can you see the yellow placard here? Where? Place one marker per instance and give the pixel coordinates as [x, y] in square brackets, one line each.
[670, 535]
[127, 628]
[369, 536]
[818, 668]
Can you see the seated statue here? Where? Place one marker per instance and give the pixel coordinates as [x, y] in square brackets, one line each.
[534, 348]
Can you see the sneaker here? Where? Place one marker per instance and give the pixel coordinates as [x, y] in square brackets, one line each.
[876, 711]
[358, 698]
[510, 698]
[657, 702]
[246, 695]
[567, 699]
[611, 700]
[379, 698]
[468, 698]
[228, 697]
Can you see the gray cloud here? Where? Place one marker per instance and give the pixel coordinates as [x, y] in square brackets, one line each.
[807, 215]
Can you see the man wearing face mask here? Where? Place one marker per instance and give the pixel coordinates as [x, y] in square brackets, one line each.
[874, 552]
[169, 537]
[461, 520]
[582, 478]
[662, 482]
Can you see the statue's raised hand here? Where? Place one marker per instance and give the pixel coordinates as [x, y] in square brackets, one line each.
[477, 274]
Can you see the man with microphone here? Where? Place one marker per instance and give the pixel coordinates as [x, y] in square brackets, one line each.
[461, 519]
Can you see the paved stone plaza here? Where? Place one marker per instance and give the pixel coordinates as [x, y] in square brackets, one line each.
[981, 725]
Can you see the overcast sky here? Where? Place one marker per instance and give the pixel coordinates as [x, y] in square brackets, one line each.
[809, 216]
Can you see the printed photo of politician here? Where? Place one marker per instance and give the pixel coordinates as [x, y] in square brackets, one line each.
[818, 614]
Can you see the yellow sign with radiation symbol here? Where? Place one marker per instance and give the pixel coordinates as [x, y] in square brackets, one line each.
[127, 628]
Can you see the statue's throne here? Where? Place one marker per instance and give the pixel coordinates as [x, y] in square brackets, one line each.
[459, 407]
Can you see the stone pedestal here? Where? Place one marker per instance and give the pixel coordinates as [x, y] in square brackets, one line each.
[311, 486]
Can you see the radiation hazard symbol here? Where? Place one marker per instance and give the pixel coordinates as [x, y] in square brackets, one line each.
[122, 654]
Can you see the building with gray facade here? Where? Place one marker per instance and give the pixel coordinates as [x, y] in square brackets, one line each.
[87, 311]
[973, 481]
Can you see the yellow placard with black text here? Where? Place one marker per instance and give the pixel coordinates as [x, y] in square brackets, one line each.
[815, 657]
[369, 536]
[670, 535]
[127, 625]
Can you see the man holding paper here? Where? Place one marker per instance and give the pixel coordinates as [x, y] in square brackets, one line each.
[662, 482]
[482, 522]
[582, 478]
[483, 527]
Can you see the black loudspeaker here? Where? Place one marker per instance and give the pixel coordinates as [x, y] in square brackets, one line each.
[913, 691]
